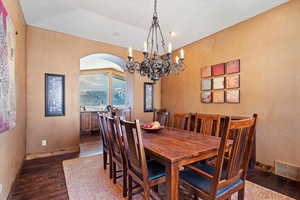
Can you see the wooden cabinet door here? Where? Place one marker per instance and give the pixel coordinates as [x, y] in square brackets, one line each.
[85, 121]
[95, 126]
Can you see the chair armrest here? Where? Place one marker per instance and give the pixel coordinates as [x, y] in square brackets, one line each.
[207, 175]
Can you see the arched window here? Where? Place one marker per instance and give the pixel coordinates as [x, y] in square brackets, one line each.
[102, 82]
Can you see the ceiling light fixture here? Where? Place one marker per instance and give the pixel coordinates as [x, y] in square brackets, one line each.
[155, 64]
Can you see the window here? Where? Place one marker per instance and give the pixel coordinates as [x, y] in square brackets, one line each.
[97, 90]
[118, 91]
[94, 90]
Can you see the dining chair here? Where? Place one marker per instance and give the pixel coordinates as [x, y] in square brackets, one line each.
[161, 116]
[228, 176]
[145, 174]
[207, 124]
[181, 121]
[117, 152]
[107, 159]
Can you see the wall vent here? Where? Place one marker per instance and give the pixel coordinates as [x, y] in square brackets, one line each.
[287, 170]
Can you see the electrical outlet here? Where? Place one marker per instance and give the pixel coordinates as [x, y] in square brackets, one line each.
[1, 188]
[44, 142]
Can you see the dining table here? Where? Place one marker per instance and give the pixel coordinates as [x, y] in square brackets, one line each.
[175, 148]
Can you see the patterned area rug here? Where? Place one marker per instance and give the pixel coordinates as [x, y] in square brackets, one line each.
[87, 180]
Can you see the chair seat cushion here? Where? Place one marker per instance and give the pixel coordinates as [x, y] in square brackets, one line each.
[202, 182]
[155, 169]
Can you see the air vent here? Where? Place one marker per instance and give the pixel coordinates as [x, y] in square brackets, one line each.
[287, 170]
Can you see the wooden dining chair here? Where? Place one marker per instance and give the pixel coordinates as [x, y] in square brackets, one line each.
[107, 160]
[146, 174]
[227, 177]
[117, 152]
[207, 124]
[161, 116]
[181, 121]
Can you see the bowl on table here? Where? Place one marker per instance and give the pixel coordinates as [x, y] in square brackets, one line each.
[152, 127]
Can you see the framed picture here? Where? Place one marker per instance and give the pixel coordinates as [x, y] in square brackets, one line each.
[206, 97]
[218, 96]
[218, 69]
[54, 95]
[148, 97]
[233, 81]
[206, 72]
[218, 83]
[233, 96]
[206, 84]
[233, 67]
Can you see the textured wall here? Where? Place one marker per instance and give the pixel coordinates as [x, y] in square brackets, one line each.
[54, 52]
[12, 143]
[268, 46]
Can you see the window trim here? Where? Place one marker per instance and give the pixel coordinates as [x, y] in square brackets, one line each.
[110, 73]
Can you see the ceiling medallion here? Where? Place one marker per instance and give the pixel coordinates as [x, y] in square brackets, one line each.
[155, 64]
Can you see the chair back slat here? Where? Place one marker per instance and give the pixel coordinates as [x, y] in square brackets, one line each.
[181, 121]
[134, 148]
[208, 124]
[242, 132]
[116, 140]
[103, 130]
[162, 117]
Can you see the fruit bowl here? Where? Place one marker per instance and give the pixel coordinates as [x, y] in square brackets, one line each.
[151, 130]
[152, 127]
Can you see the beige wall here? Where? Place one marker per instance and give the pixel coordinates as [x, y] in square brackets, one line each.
[12, 143]
[268, 46]
[54, 52]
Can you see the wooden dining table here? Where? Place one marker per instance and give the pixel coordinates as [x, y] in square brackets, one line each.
[175, 148]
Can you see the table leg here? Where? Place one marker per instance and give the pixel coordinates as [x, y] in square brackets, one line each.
[172, 171]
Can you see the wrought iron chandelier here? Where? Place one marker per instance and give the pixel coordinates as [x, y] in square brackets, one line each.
[155, 64]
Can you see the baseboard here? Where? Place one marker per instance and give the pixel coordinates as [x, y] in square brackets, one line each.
[74, 149]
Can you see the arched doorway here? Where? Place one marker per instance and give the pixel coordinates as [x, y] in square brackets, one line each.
[103, 82]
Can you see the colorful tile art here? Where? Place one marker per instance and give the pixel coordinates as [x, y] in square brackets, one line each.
[218, 83]
[206, 72]
[221, 83]
[233, 81]
[218, 69]
[233, 67]
[218, 96]
[233, 96]
[206, 84]
[206, 97]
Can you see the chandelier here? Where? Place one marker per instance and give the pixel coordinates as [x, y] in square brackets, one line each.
[156, 64]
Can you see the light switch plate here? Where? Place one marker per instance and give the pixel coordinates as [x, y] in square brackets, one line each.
[44, 142]
[1, 188]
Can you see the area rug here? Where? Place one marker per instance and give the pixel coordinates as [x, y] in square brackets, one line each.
[87, 180]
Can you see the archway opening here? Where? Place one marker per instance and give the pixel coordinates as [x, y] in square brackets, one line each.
[102, 82]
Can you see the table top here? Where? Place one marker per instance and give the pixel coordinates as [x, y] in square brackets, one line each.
[174, 145]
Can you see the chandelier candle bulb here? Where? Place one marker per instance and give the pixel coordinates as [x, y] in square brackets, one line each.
[182, 54]
[145, 47]
[130, 52]
[177, 59]
[170, 48]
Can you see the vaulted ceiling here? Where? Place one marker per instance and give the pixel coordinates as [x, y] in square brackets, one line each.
[126, 22]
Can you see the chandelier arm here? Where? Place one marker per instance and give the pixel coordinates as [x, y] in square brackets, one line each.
[152, 39]
[156, 41]
[162, 39]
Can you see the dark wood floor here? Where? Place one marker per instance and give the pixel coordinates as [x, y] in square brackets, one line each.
[43, 179]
